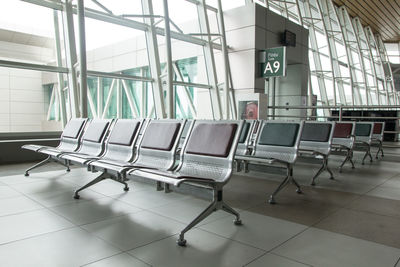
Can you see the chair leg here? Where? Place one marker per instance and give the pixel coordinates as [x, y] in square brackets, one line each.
[66, 165]
[225, 207]
[245, 166]
[204, 214]
[99, 178]
[126, 188]
[318, 173]
[280, 187]
[367, 154]
[217, 204]
[380, 149]
[43, 162]
[237, 162]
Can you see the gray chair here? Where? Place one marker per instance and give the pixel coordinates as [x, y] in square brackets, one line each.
[93, 143]
[377, 137]
[156, 150]
[363, 134]
[315, 141]
[344, 139]
[119, 149]
[277, 143]
[206, 162]
[245, 141]
[69, 142]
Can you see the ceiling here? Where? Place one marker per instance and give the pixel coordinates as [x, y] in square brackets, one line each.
[382, 15]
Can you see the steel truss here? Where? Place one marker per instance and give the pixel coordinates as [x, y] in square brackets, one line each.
[364, 67]
[80, 100]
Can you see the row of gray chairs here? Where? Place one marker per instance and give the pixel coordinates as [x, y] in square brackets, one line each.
[206, 155]
[272, 142]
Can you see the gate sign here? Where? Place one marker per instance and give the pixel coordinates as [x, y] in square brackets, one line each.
[273, 62]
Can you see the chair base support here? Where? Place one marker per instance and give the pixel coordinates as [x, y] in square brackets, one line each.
[348, 158]
[100, 178]
[367, 154]
[323, 168]
[217, 204]
[380, 149]
[288, 179]
[45, 161]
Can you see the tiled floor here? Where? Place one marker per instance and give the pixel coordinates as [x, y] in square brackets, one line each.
[353, 220]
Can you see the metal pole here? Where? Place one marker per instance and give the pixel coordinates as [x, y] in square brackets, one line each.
[170, 72]
[61, 97]
[226, 59]
[70, 51]
[82, 60]
[100, 97]
[273, 96]
[154, 60]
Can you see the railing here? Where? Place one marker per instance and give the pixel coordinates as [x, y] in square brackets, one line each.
[311, 113]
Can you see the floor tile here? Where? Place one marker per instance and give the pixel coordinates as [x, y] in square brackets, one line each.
[392, 183]
[378, 205]
[120, 260]
[72, 247]
[19, 226]
[111, 188]
[322, 248]
[150, 198]
[296, 210]
[60, 197]
[385, 192]
[364, 225]
[18, 205]
[94, 210]
[260, 231]
[6, 192]
[34, 177]
[203, 249]
[186, 211]
[133, 230]
[44, 186]
[271, 260]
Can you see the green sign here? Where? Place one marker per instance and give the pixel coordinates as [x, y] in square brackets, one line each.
[273, 62]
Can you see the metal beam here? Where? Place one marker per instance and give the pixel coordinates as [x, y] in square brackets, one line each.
[226, 88]
[169, 88]
[70, 50]
[82, 60]
[30, 66]
[118, 76]
[154, 59]
[186, 92]
[46, 3]
[210, 61]
[60, 78]
[108, 100]
[131, 102]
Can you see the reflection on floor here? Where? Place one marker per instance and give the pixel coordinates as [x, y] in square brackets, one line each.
[350, 221]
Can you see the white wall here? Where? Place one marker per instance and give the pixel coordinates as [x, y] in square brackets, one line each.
[22, 101]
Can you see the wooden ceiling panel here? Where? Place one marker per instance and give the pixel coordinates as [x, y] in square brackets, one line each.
[382, 15]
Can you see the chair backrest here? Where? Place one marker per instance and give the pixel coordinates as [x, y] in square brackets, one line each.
[158, 144]
[363, 131]
[184, 134]
[245, 137]
[209, 150]
[379, 128]
[278, 140]
[72, 134]
[317, 136]
[343, 134]
[93, 139]
[122, 139]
